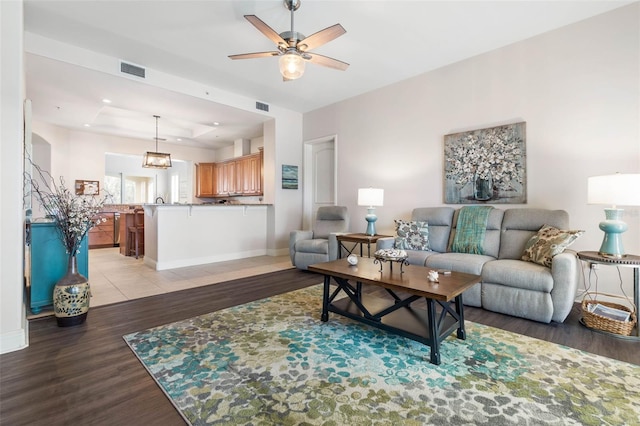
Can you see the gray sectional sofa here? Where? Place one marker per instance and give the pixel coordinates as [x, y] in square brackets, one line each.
[509, 285]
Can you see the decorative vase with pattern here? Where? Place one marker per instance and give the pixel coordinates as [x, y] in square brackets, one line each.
[71, 296]
[482, 187]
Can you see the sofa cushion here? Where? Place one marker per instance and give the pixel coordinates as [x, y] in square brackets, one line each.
[518, 274]
[419, 257]
[412, 235]
[548, 242]
[317, 245]
[459, 262]
[439, 220]
[519, 225]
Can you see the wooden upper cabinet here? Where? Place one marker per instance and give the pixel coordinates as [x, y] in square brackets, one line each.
[240, 176]
[252, 175]
[226, 178]
[205, 180]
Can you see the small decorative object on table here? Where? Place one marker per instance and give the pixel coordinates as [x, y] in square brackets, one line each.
[352, 259]
[74, 216]
[433, 276]
[391, 256]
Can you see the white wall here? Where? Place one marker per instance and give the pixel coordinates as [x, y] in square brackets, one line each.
[13, 323]
[577, 88]
[81, 155]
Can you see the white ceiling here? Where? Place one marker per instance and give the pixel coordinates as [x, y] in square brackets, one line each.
[386, 42]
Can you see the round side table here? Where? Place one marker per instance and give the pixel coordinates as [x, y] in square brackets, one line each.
[629, 261]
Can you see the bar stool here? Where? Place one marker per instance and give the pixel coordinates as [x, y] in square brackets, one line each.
[134, 231]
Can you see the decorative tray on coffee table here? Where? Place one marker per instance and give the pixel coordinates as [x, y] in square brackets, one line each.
[392, 256]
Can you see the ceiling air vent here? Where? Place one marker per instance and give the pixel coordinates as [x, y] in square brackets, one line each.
[262, 107]
[132, 69]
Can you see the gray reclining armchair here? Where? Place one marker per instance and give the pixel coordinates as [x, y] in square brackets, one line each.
[320, 244]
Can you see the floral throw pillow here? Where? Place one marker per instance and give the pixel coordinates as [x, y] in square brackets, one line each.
[412, 235]
[548, 242]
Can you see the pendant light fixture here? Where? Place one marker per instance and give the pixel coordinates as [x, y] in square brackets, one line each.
[156, 160]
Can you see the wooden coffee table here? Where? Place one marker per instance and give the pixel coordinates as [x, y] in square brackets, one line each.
[444, 312]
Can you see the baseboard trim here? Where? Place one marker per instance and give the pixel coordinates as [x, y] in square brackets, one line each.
[15, 340]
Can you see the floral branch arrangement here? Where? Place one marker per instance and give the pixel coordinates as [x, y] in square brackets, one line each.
[496, 153]
[74, 215]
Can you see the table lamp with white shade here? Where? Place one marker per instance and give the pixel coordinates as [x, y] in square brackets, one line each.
[616, 190]
[370, 197]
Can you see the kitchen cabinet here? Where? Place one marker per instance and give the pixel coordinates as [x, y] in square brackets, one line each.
[103, 234]
[237, 177]
[48, 262]
[250, 182]
[205, 179]
[226, 178]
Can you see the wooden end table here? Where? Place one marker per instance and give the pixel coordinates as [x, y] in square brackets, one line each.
[398, 316]
[357, 239]
[629, 261]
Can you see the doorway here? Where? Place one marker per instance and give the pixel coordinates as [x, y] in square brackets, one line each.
[320, 186]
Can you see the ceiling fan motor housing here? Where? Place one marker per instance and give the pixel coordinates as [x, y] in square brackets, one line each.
[293, 37]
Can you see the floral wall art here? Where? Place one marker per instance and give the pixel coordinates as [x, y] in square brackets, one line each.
[486, 166]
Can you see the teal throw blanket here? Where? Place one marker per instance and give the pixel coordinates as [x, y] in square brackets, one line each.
[471, 228]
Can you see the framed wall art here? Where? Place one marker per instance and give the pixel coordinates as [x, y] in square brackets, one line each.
[486, 166]
[87, 187]
[289, 177]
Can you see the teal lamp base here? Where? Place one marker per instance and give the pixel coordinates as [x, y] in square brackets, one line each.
[613, 228]
[371, 221]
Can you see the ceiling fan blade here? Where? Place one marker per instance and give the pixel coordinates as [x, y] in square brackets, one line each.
[321, 37]
[326, 61]
[266, 30]
[254, 55]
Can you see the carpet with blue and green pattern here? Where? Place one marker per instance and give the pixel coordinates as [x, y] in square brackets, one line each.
[274, 362]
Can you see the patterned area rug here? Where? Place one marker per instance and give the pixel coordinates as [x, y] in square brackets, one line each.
[274, 362]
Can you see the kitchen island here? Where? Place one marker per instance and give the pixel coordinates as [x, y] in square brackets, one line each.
[179, 235]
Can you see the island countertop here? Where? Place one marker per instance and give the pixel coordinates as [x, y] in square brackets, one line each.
[179, 235]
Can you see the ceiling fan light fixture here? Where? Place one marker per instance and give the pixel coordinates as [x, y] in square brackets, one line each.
[291, 65]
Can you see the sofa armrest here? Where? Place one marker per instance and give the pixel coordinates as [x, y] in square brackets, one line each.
[385, 243]
[295, 236]
[565, 270]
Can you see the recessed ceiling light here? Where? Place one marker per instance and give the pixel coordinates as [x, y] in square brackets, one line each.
[215, 123]
[106, 101]
[179, 140]
[87, 125]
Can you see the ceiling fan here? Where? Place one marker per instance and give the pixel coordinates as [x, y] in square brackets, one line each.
[293, 47]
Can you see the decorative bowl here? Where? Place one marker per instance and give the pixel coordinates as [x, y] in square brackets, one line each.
[390, 255]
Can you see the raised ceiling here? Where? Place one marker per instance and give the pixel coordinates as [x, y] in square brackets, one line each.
[386, 42]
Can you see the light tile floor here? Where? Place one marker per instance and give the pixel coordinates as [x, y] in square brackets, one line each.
[116, 278]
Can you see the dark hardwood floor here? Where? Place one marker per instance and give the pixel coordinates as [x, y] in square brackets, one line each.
[86, 375]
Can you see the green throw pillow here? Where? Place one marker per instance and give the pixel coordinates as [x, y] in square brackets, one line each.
[548, 242]
[412, 235]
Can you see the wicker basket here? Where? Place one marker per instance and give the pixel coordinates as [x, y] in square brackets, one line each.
[600, 322]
